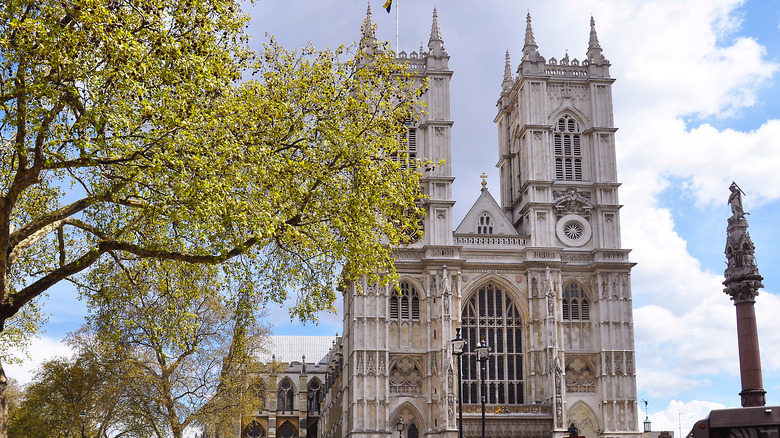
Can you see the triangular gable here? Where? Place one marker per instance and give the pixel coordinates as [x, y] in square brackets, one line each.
[486, 205]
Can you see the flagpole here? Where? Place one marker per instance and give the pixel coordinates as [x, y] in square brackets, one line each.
[396, 28]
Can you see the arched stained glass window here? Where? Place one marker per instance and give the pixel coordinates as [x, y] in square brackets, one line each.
[491, 314]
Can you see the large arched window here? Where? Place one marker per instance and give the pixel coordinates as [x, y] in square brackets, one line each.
[284, 401]
[568, 152]
[406, 305]
[491, 314]
[575, 303]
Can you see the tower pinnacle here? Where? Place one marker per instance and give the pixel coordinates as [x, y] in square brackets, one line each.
[594, 54]
[530, 49]
[436, 43]
[508, 79]
[367, 29]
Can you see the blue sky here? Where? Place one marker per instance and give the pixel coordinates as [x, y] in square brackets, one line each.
[697, 104]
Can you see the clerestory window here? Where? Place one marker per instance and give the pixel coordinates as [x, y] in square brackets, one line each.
[285, 399]
[568, 150]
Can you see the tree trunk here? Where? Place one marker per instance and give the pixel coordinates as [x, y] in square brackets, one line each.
[3, 403]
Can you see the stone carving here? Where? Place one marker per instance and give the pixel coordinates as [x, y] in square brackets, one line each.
[548, 289]
[735, 201]
[370, 368]
[534, 287]
[580, 376]
[405, 376]
[572, 201]
[742, 277]
[434, 364]
[381, 364]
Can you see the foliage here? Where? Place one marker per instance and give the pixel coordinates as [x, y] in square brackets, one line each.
[189, 342]
[126, 135]
[91, 381]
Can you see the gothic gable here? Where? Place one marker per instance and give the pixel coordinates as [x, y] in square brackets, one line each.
[485, 217]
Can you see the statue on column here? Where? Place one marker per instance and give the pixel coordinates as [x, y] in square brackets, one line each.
[735, 200]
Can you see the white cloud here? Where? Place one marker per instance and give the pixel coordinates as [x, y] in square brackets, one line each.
[41, 348]
[679, 416]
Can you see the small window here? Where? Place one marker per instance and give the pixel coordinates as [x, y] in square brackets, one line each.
[406, 305]
[575, 304]
[485, 224]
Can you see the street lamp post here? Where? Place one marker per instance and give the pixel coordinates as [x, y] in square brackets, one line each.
[483, 350]
[83, 416]
[400, 427]
[458, 348]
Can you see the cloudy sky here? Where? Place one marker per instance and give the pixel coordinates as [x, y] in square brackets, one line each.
[697, 104]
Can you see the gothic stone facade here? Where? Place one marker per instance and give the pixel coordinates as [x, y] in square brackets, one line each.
[541, 276]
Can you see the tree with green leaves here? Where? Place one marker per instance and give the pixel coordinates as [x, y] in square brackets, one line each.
[127, 133]
[90, 382]
[189, 343]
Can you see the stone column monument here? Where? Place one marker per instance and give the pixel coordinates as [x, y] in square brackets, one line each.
[742, 284]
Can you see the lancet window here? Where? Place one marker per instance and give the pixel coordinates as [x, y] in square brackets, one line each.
[406, 304]
[575, 303]
[568, 150]
[491, 314]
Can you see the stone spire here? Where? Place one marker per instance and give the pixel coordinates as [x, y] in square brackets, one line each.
[594, 54]
[530, 49]
[508, 78]
[742, 283]
[367, 29]
[436, 43]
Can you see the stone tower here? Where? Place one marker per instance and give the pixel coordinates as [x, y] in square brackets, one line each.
[540, 276]
[559, 187]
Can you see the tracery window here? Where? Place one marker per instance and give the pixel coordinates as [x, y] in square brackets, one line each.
[568, 152]
[285, 399]
[406, 305]
[253, 430]
[287, 430]
[314, 397]
[575, 303]
[490, 313]
[485, 225]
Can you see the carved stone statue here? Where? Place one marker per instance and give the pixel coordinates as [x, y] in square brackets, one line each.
[735, 200]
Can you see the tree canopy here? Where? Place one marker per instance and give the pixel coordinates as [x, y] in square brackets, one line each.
[147, 129]
[127, 133]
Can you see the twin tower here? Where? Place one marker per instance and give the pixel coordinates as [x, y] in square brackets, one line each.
[538, 273]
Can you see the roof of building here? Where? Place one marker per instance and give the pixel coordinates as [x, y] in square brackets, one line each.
[294, 348]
